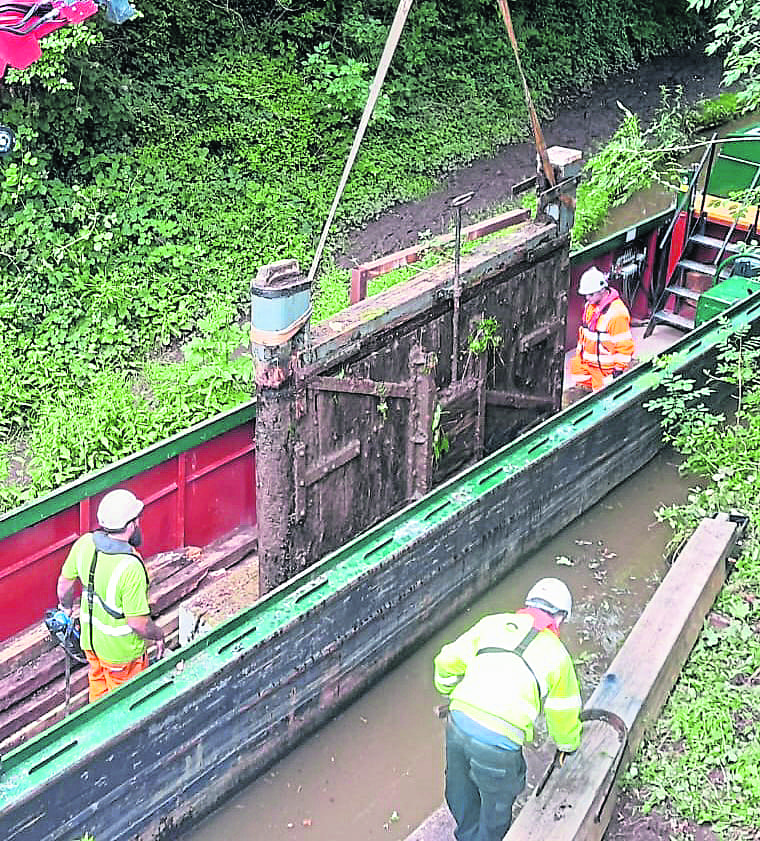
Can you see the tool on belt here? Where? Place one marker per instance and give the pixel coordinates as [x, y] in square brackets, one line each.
[66, 631]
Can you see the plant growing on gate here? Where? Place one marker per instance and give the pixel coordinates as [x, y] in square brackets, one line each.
[440, 440]
[486, 336]
[382, 405]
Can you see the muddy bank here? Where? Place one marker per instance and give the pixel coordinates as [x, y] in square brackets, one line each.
[584, 121]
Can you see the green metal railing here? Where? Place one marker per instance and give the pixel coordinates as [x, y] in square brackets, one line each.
[64, 497]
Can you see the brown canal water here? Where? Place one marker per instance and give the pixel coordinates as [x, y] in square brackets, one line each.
[376, 770]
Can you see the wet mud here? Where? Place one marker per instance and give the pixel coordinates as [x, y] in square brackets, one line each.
[584, 121]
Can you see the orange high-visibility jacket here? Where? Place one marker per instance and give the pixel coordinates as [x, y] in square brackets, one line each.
[604, 337]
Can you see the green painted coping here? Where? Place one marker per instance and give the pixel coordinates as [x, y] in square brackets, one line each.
[619, 238]
[54, 751]
[40, 509]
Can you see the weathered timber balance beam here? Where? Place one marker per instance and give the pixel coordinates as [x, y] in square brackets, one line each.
[577, 800]
[214, 715]
[574, 802]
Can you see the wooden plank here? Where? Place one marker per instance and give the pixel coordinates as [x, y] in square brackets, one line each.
[518, 399]
[221, 554]
[361, 275]
[23, 647]
[577, 801]
[355, 385]
[32, 676]
[543, 331]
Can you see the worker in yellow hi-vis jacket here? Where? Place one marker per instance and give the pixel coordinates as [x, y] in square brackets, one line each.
[498, 676]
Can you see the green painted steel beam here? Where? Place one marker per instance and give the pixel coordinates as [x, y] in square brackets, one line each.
[620, 238]
[91, 728]
[74, 492]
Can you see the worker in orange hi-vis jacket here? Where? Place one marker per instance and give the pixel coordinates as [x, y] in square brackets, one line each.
[605, 343]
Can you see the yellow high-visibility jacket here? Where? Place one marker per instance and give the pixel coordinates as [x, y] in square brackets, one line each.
[505, 692]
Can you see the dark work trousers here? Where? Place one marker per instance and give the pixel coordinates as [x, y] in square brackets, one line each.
[482, 782]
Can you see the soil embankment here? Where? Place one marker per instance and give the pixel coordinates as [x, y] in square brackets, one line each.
[585, 121]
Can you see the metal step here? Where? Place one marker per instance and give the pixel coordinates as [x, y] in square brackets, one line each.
[677, 321]
[702, 268]
[714, 242]
[682, 292]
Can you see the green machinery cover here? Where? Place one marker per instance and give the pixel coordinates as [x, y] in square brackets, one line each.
[723, 295]
[738, 161]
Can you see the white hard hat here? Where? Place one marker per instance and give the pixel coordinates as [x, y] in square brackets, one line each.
[551, 595]
[592, 280]
[117, 508]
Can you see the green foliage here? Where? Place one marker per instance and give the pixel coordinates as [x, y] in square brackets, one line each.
[440, 440]
[735, 33]
[700, 761]
[343, 88]
[624, 166]
[61, 48]
[714, 112]
[485, 337]
[634, 159]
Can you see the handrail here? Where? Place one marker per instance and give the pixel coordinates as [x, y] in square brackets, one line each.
[709, 170]
[697, 170]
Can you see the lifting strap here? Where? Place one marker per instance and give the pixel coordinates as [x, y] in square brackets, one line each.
[537, 133]
[374, 92]
[519, 650]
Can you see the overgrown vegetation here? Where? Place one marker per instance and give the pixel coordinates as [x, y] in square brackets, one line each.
[735, 32]
[700, 761]
[158, 165]
[636, 158]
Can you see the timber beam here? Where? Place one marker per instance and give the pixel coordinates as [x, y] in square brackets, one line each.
[354, 385]
[518, 399]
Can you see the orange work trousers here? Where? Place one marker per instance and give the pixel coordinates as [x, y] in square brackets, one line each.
[104, 675]
[588, 376]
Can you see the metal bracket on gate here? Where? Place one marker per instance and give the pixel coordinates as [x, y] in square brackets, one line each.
[306, 476]
[615, 721]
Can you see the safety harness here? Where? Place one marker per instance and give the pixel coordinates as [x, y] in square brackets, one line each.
[600, 309]
[519, 651]
[116, 614]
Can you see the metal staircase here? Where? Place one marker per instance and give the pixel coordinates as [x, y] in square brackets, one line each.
[681, 316]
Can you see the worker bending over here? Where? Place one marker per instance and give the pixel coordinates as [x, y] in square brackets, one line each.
[498, 675]
[114, 614]
[605, 343]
